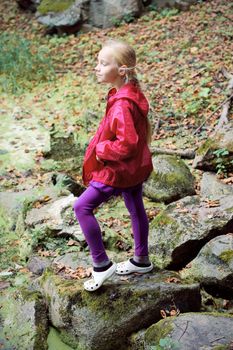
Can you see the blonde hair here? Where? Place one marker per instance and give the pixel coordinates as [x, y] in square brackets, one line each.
[125, 55]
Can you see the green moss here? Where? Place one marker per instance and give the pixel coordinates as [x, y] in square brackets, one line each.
[54, 6]
[208, 144]
[54, 340]
[162, 219]
[30, 295]
[221, 347]
[226, 256]
[108, 308]
[158, 331]
[181, 174]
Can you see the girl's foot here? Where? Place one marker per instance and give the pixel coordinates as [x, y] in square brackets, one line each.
[130, 266]
[98, 278]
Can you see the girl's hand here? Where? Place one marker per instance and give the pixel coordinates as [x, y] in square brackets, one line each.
[99, 160]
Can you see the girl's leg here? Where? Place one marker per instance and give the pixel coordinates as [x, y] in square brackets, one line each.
[134, 204]
[83, 207]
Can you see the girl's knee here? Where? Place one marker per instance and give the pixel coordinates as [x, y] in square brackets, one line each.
[77, 206]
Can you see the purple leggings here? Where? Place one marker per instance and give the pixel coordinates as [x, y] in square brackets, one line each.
[91, 198]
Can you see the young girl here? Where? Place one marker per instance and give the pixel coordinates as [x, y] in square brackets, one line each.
[117, 161]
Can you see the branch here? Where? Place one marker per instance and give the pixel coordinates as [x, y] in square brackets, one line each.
[189, 153]
[227, 99]
[226, 107]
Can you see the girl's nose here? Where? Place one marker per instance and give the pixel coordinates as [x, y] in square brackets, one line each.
[96, 67]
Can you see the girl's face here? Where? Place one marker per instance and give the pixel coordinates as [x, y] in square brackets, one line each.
[107, 70]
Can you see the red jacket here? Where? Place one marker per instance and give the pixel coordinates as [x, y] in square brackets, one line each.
[120, 141]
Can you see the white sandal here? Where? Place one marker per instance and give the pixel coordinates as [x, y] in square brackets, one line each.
[98, 278]
[126, 267]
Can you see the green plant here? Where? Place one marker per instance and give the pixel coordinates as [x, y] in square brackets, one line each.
[166, 344]
[126, 18]
[221, 160]
[21, 64]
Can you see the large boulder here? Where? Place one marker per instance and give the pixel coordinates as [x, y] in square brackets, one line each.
[216, 153]
[170, 180]
[188, 331]
[213, 188]
[23, 321]
[74, 14]
[103, 13]
[56, 217]
[103, 320]
[63, 14]
[213, 267]
[179, 232]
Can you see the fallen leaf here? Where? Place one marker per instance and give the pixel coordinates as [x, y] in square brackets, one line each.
[72, 242]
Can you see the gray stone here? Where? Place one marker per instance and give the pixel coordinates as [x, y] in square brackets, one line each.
[213, 267]
[37, 265]
[179, 232]
[63, 146]
[221, 140]
[213, 188]
[102, 320]
[24, 323]
[57, 217]
[170, 180]
[77, 12]
[12, 203]
[104, 12]
[65, 181]
[189, 331]
[77, 259]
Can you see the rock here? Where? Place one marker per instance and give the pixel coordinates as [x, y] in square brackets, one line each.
[13, 203]
[102, 320]
[56, 218]
[170, 180]
[23, 323]
[37, 265]
[179, 232]
[66, 181]
[79, 13]
[64, 145]
[63, 14]
[188, 331]
[208, 161]
[103, 13]
[213, 267]
[213, 188]
[77, 259]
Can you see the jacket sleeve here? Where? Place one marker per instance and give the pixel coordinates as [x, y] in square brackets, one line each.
[124, 144]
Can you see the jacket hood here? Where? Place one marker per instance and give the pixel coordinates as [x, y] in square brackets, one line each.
[131, 92]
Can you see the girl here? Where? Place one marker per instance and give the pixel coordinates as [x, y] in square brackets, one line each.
[117, 161]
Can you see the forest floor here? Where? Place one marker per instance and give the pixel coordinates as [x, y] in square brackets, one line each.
[180, 61]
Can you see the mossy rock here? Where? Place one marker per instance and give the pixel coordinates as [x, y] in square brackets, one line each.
[170, 180]
[24, 320]
[104, 319]
[216, 153]
[190, 331]
[178, 232]
[54, 5]
[213, 267]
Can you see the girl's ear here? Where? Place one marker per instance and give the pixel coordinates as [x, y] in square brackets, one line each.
[121, 70]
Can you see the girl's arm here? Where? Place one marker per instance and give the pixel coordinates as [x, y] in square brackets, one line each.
[126, 139]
